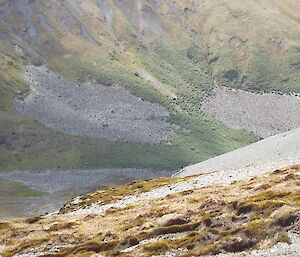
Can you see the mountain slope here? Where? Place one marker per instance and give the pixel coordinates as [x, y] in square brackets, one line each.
[169, 52]
[271, 153]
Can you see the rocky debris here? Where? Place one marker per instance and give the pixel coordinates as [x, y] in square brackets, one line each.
[63, 185]
[92, 109]
[171, 219]
[208, 179]
[59, 180]
[264, 114]
[113, 198]
[285, 216]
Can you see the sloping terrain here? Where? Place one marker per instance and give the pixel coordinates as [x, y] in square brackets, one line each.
[29, 193]
[160, 60]
[92, 110]
[189, 216]
[172, 53]
[231, 205]
[264, 114]
[271, 153]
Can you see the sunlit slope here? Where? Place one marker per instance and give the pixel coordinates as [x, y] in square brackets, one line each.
[191, 216]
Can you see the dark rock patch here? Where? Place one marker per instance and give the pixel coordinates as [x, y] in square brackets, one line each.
[231, 75]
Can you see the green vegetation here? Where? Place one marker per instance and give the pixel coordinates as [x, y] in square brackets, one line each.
[15, 189]
[27, 144]
[266, 74]
[223, 55]
[36, 147]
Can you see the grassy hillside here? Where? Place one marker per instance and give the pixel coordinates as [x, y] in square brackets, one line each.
[190, 220]
[185, 48]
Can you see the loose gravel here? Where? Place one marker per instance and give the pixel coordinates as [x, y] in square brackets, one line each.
[92, 109]
[264, 114]
[267, 155]
[256, 159]
[213, 178]
[54, 181]
[271, 153]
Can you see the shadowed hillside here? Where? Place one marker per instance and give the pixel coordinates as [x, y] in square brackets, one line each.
[170, 53]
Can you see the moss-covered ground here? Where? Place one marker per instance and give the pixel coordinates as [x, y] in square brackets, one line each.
[13, 189]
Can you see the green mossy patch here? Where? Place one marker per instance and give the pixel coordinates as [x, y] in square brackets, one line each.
[26, 245]
[17, 189]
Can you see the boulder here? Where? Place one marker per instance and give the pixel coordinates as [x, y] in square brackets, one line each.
[285, 216]
[171, 219]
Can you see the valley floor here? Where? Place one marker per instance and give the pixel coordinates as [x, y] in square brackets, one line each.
[24, 193]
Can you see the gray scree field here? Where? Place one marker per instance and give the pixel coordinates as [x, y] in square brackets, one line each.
[264, 114]
[92, 109]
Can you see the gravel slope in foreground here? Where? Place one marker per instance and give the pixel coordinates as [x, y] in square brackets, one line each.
[271, 153]
[256, 213]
